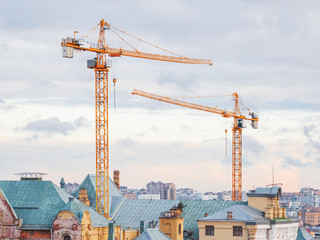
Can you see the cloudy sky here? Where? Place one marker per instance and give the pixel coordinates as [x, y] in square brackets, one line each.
[267, 51]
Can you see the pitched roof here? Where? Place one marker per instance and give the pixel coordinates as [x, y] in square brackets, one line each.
[240, 213]
[303, 234]
[89, 183]
[37, 203]
[11, 208]
[274, 191]
[129, 212]
[152, 234]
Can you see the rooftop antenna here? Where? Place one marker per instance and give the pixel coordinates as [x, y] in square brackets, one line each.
[273, 184]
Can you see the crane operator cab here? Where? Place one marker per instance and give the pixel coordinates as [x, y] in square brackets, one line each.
[240, 123]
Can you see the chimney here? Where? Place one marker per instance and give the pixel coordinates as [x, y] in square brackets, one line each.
[229, 216]
[116, 178]
[206, 214]
[83, 196]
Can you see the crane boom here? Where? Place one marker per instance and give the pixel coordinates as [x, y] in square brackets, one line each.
[236, 132]
[223, 113]
[80, 44]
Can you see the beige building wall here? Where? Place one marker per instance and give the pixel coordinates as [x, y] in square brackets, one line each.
[172, 227]
[310, 218]
[270, 206]
[222, 230]
[129, 234]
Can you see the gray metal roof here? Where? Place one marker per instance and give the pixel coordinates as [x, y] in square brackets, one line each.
[272, 192]
[240, 213]
[152, 234]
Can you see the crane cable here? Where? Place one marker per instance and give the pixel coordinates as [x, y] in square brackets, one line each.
[89, 32]
[147, 42]
[124, 40]
[204, 96]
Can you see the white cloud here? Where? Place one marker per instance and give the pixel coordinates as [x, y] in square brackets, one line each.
[267, 51]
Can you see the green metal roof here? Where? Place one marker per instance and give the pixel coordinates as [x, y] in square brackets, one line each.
[37, 203]
[130, 212]
[89, 183]
[152, 234]
[303, 234]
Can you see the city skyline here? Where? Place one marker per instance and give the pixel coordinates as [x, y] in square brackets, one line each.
[266, 51]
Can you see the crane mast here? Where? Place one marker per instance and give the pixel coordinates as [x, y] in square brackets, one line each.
[236, 132]
[102, 126]
[101, 68]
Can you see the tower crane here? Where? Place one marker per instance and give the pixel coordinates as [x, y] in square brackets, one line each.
[101, 66]
[238, 124]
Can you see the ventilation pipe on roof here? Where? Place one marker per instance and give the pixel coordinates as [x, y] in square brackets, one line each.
[141, 227]
[111, 231]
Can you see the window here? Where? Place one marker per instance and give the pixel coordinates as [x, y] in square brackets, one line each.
[66, 237]
[209, 230]
[179, 228]
[237, 231]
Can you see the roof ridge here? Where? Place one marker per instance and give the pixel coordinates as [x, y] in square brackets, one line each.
[148, 234]
[119, 206]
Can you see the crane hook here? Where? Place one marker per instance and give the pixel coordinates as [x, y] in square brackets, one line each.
[114, 93]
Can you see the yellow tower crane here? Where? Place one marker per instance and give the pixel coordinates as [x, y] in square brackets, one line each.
[101, 67]
[238, 124]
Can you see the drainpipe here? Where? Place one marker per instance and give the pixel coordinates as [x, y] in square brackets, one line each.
[111, 231]
[141, 227]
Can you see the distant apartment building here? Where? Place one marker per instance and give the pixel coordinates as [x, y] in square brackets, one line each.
[209, 197]
[129, 193]
[168, 191]
[149, 196]
[165, 190]
[311, 216]
[154, 187]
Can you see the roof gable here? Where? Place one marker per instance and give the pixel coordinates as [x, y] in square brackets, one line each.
[240, 213]
[89, 183]
[152, 234]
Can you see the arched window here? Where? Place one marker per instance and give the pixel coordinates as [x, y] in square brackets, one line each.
[67, 237]
[180, 228]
